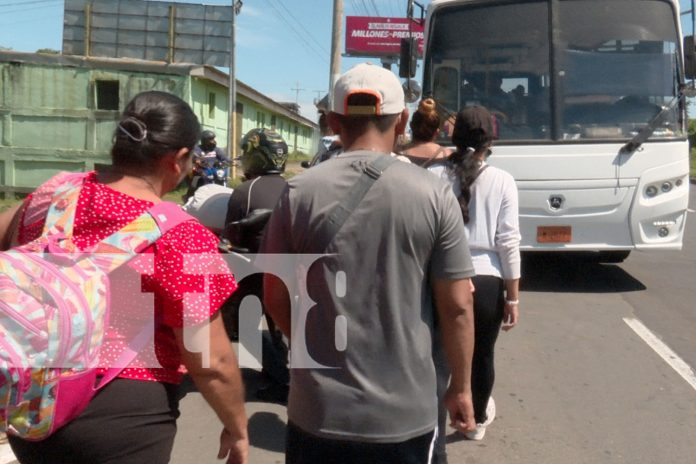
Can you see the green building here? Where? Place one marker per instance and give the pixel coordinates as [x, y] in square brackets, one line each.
[59, 112]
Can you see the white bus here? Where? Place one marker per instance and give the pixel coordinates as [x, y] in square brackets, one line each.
[588, 96]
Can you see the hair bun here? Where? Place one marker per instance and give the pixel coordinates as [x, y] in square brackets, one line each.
[427, 106]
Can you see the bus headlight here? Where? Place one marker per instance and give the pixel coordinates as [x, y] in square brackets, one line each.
[651, 191]
[666, 186]
[663, 232]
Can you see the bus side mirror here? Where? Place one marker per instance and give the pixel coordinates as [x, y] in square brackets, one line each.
[689, 57]
[408, 58]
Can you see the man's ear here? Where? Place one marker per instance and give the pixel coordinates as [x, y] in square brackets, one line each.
[402, 122]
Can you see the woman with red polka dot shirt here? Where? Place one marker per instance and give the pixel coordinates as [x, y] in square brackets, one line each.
[181, 277]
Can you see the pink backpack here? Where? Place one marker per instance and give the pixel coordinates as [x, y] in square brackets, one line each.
[54, 310]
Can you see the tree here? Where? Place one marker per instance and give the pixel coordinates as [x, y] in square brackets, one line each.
[692, 133]
[48, 51]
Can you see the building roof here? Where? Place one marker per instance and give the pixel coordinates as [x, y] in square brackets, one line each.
[129, 64]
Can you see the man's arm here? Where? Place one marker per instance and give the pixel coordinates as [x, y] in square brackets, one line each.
[277, 239]
[221, 155]
[276, 300]
[455, 307]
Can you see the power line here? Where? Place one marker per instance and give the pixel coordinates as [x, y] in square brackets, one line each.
[398, 8]
[374, 6]
[30, 2]
[299, 23]
[292, 27]
[21, 10]
[30, 20]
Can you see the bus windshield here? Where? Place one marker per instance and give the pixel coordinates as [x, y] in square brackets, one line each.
[603, 73]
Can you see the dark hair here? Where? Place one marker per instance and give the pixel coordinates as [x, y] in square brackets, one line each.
[474, 131]
[354, 126]
[153, 124]
[323, 124]
[425, 121]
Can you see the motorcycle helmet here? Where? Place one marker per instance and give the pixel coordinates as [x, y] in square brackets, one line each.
[263, 152]
[208, 140]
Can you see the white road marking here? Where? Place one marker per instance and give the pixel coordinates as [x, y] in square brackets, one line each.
[690, 210]
[663, 350]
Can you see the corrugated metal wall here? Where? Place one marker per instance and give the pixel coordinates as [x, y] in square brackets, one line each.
[50, 120]
[50, 117]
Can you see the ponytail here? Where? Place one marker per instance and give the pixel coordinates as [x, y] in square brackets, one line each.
[474, 131]
[466, 168]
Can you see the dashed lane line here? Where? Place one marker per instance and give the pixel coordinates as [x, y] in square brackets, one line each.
[663, 350]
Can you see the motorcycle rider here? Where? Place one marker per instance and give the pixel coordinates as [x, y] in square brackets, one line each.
[205, 156]
[264, 153]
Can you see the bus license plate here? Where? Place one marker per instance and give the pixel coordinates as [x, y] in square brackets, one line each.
[554, 234]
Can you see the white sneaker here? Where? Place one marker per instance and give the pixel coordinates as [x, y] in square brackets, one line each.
[480, 431]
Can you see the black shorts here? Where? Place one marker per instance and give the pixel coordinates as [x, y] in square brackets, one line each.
[128, 421]
[305, 448]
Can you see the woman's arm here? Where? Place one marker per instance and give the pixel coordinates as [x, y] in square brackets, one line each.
[219, 380]
[9, 221]
[507, 242]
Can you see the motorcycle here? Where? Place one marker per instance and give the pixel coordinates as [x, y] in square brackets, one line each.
[205, 174]
[215, 174]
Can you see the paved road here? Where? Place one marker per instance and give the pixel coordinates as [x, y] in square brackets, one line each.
[575, 383]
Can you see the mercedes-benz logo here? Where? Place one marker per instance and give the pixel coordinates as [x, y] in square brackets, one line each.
[556, 202]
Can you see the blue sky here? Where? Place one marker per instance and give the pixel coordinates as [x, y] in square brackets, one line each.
[282, 45]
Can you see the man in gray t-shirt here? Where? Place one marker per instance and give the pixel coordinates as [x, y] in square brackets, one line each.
[403, 256]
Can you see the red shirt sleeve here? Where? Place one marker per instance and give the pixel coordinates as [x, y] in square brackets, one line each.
[191, 279]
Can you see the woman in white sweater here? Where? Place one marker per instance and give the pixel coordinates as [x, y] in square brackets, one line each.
[488, 198]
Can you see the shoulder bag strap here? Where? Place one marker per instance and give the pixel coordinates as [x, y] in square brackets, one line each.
[338, 215]
[430, 160]
[481, 169]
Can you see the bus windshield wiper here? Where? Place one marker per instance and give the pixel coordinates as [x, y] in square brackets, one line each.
[645, 133]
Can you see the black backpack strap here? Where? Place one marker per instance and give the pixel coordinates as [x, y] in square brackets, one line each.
[338, 215]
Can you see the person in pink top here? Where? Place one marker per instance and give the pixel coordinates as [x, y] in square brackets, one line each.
[133, 419]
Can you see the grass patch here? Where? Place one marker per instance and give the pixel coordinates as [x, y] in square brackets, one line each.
[9, 202]
[692, 164]
[298, 157]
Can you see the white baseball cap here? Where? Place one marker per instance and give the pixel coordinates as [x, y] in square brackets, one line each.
[368, 79]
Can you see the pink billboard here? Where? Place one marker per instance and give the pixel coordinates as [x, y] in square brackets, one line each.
[369, 36]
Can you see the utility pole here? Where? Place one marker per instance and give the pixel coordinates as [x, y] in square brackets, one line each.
[232, 87]
[297, 93]
[336, 46]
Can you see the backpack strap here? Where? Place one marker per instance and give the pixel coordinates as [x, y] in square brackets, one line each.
[119, 247]
[478, 173]
[41, 198]
[58, 198]
[338, 215]
[161, 218]
[128, 355]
